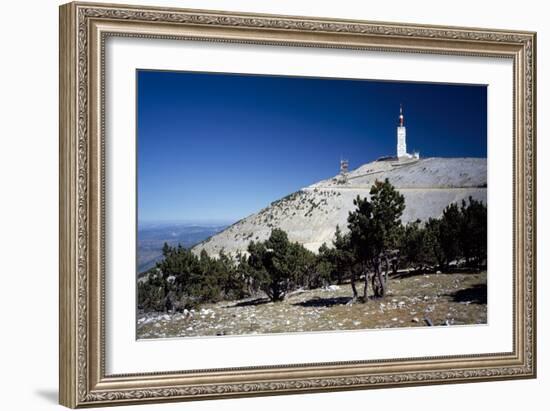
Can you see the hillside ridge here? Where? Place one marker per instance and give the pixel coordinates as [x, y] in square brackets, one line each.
[311, 214]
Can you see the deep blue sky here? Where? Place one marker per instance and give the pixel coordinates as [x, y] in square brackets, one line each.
[218, 147]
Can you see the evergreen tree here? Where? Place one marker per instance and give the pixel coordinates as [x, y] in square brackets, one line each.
[473, 232]
[343, 255]
[449, 233]
[432, 245]
[279, 265]
[304, 265]
[271, 267]
[326, 271]
[413, 245]
[374, 231]
[183, 280]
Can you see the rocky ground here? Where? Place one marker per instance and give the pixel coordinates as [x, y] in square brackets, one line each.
[412, 301]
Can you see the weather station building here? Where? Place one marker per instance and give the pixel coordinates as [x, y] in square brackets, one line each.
[401, 158]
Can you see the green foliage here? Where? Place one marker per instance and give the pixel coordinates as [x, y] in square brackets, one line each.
[419, 244]
[387, 208]
[184, 280]
[375, 228]
[460, 235]
[434, 252]
[343, 255]
[414, 249]
[376, 238]
[304, 264]
[279, 265]
[324, 272]
[151, 293]
[364, 239]
[473, 232]
[375, 224]
[449, 232]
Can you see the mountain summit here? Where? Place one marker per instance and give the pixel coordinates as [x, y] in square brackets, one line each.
[310, 215]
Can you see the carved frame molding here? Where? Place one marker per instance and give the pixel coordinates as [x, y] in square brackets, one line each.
[83, 30]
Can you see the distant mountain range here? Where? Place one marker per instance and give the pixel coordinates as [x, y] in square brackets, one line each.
[152, 236]
[310, 215]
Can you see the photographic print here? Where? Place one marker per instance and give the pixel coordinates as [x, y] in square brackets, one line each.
[281, 204]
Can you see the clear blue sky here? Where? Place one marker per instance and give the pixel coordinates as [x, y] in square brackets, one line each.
[218, 147]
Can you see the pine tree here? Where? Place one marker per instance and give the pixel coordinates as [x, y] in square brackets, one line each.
[449, 233]
[473, 232]
[374, 228]
[279, 265]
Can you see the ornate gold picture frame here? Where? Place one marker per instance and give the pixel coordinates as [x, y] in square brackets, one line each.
[84, 29]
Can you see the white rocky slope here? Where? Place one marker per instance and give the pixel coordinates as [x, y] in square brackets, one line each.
[310, 215]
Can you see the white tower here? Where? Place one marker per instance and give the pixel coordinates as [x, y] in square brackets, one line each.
[401, 136]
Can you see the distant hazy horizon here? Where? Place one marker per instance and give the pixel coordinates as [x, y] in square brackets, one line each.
[176, 222]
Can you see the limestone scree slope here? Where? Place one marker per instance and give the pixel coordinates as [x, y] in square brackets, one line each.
[310, 215]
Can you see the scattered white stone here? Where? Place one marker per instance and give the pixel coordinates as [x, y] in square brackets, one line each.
[394, 319]
[157, 325]
[415, 320]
